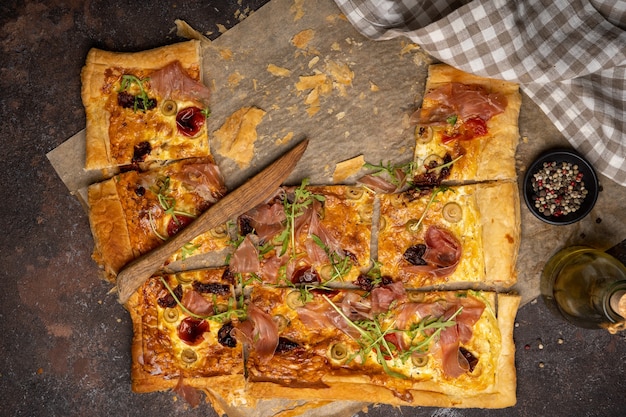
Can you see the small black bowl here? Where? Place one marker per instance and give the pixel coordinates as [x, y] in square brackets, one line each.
[589, 178]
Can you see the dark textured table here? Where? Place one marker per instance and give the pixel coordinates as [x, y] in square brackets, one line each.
[65, 341]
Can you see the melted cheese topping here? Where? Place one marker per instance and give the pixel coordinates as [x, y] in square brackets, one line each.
[395, 237]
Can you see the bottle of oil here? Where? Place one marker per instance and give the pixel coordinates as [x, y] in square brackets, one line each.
[587, 287]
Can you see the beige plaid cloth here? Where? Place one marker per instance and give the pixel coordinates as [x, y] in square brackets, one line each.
[569, 56]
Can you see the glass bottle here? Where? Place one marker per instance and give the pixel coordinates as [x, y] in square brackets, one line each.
[587, 287]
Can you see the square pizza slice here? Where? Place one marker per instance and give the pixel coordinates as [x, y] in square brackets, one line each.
[134, 212]
[144, 107]
[459, 234]
[466, 128]
[306, 234]
[182, 332]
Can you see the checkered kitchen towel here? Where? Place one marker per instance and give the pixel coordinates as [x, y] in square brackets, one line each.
[569, 56]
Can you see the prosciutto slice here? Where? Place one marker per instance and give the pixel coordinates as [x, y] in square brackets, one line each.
[196, 303]
[204, 179]
[261, 332]
[172, 81]
[460, 100]
[442, 256]
[245, 258]
[384, 295]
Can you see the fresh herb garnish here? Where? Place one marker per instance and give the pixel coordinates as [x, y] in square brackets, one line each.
[340, 265]
[451, 120]
[432, 200]
[141, 101]
[302, 199]
[397, 174]
[374, 334]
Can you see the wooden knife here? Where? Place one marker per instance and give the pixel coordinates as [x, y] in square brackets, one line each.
[254, 192]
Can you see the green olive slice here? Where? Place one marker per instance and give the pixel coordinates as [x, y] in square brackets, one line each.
[338, 351]
[294, 299]
[281, 321]
[183, 278]
[419, 360]
[169, 108]
[432, 162]
[415, 296]
[413, 226]
[188, 355]
[326, 272]
[170, 315]
[354, 193]
[365, 213]
[382, 223]
[219, 232]
[423, 134]
[452, 212]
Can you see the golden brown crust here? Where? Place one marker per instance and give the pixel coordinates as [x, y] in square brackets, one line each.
[108, 226]
[499, 206]
[486, 158]
[96, 89]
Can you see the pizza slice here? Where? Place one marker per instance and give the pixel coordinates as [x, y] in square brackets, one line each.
[404, 348]
[306, 234]
[182, 332]
[466, 128]
[134, 212]
[144, 107]
[459, 234]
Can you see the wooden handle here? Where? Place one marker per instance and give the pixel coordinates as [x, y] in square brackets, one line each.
[254, 192]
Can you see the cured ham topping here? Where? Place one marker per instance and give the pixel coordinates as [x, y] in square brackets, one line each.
[245, 258]
[439, 256]
[196, 303]
[205, 179]
[188, 393]
[383, 296]
[172, 81]
[266, 220]
[460, 100]
[263, 334]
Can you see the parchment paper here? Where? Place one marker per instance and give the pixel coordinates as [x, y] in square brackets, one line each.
[368, 117]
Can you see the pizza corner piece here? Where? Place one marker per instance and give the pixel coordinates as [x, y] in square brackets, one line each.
[144, 107]
[466, 129]
[134, 212]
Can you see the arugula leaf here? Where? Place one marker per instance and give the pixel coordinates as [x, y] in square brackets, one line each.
[397, 174]
[373, 334]
[303, 198]
[142, 101]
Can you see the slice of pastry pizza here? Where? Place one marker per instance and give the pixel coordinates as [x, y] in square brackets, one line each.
[459, 234]
[466, 128]
[144, 107]
[404, 348]
[134, 212]
[183, 332]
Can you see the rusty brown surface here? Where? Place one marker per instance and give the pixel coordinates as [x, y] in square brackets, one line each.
[65, 345]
